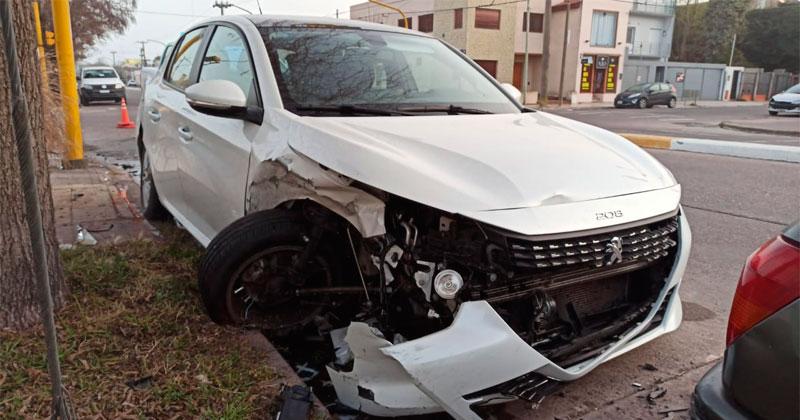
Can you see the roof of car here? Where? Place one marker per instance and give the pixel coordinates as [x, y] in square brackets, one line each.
[290, 20]
[98, 68]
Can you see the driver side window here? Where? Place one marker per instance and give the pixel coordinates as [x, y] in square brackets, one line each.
[227, 58]
[181, 70]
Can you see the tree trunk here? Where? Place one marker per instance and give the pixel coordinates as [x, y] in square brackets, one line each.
[19, 298]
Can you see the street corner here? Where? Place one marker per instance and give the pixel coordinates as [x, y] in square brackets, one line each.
[96, 205]
[649, 141]
[780, 125]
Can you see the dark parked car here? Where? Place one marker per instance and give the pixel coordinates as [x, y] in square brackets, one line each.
[645, 95]
[759, 375]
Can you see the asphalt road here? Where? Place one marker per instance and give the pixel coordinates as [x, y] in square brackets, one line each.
[692, 122]
[101, 137]
[732, 204]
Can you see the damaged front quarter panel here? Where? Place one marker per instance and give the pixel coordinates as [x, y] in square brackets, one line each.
[279, 175]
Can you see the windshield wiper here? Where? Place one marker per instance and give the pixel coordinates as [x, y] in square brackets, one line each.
[349, 110]
[450, 109]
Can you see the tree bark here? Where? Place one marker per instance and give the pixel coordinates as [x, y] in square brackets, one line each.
[19, 299]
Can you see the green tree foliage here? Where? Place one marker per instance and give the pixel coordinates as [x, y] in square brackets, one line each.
[721, 20]
[771, 38]
[689, 31]
[704, 31]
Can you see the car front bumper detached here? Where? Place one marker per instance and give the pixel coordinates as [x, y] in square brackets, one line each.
[479, 359]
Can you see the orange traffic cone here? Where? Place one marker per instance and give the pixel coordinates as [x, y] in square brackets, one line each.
[125, 121]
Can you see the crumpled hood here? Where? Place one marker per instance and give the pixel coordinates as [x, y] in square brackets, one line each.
[470, 163]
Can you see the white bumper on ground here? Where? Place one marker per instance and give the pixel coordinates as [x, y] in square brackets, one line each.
[477, 351]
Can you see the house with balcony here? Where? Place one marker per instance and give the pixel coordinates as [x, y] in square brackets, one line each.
[494, 36]
[648, 41]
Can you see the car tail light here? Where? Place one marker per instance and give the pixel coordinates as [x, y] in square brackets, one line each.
[770, 280]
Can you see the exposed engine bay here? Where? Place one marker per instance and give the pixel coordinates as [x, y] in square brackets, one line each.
[569, 298]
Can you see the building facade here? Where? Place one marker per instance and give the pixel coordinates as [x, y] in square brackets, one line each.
[494, 36]
[648, 41]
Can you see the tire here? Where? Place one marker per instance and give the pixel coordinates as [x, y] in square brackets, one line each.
[773, 113]
[672, 102]
[148, 195]
[84, 101]
[643, 103]
[238, 247]
[118, 100]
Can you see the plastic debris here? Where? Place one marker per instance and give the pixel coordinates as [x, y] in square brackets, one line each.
[649, 366]
[656, 394]
[83, 237]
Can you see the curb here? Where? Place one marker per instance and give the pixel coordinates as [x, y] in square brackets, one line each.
[733, 126]
[717, 147]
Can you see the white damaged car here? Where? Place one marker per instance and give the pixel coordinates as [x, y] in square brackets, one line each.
[374, 186]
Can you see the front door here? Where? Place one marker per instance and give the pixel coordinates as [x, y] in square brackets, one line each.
[165, 147]
[518, 75]
[599, 82]
[215, 165]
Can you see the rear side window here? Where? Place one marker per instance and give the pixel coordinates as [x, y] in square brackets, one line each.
[181, 70]
[227, 58]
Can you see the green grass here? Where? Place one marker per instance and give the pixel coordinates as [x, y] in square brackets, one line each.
[134, 311]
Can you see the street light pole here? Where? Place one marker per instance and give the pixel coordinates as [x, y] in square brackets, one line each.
[543, 88]
[66, 82]
[564, 58]
[114, 58]
[527, 26]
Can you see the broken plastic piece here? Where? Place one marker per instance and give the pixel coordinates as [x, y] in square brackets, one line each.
[296, 403]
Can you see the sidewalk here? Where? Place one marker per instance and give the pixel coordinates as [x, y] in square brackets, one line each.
[783, 125]
[96, 205]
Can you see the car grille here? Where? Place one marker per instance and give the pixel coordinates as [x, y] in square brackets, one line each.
[643, 243]
[782, 105]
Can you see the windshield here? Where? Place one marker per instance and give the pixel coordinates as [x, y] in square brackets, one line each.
[638, 88]
[99, 74]
[793, 89]
[325, 67]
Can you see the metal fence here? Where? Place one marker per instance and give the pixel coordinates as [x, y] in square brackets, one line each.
[758, 85]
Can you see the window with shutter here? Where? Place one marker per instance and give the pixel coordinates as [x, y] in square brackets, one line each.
[487, 18]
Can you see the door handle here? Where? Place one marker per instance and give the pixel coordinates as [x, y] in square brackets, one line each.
[155, 116]
[185, 133]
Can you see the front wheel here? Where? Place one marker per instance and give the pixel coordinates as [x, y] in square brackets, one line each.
[672, 102]
[642, 103]
[255, 270]
[773, 113]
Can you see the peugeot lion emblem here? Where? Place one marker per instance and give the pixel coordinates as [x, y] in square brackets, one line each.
[614, 251]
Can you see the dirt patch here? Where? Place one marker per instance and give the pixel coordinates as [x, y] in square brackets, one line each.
[135, 343]
[696, 312]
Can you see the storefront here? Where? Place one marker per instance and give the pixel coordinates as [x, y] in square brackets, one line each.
[599, 74]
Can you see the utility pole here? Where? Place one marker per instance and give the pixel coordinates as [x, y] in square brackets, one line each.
[40, 45]
[222, 6]
[733, 48]
[548, 15]
[24, 144]
[142, 58]
[114, 58]
[66, 82]
[527, 26]
[337, 13]
[564, 57]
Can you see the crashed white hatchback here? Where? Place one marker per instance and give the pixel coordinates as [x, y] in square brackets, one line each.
[374, 186]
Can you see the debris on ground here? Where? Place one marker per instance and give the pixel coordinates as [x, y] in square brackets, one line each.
[140, 383]
[656, 394]
[649, 367]
[672, 410]
[636, 385]
[296, 403]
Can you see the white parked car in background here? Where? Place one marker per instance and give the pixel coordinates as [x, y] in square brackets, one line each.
[787, 101]
[374, 186]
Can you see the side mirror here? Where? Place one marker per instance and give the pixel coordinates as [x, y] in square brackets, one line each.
[222, 98]
[513, 91]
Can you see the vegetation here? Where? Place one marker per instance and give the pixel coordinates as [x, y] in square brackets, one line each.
[767, 38]
[94, 20]
[772, 38]
[135, 343]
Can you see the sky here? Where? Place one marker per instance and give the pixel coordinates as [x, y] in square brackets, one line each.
[163, 20]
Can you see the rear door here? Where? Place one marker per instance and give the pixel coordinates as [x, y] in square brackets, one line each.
[215, 166]
[665, 93]
[163, 99]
